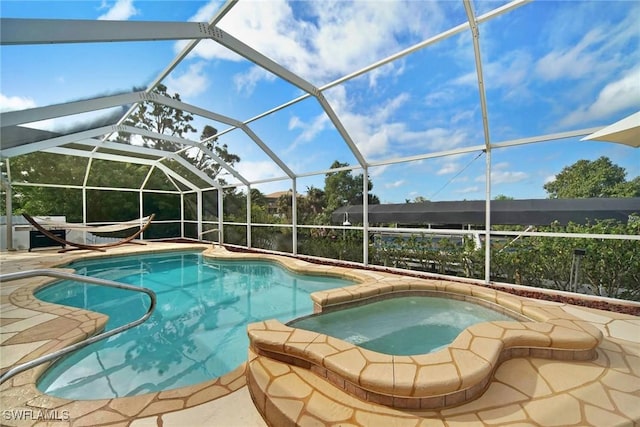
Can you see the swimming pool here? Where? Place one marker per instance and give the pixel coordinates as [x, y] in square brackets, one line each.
[403, 326]
[197, 332]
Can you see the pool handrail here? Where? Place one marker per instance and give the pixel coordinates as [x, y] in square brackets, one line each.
[10, 373]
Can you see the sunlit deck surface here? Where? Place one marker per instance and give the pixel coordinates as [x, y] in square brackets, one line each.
[522, 390]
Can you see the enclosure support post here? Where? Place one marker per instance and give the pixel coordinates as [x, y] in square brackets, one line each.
[220, 216]
[84, 211]
[248, 216]
[9, 212]
[487, 225]
[365, 216]
[141, 207]
[294, 217]
[199, 208]
[87, 171]
[182, 215]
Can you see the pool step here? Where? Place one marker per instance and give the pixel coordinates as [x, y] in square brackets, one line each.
[288, 395]
[452, 376]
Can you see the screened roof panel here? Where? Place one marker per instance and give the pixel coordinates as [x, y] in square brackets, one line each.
[301, 129]
[453, 177]
[324, 41]
[547, 67]
[513, 176]
[98, 69]
[158, 180]
[48, 168]
[105, 173]
[577, 70]
[233, 87]
[187, 174]
[255, 164]
[391, 118]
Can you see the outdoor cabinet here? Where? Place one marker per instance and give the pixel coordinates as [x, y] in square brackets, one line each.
[39, 240]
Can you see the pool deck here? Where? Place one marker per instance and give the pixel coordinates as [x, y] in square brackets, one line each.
[533, 388]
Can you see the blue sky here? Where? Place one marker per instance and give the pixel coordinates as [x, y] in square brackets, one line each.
[548, 67]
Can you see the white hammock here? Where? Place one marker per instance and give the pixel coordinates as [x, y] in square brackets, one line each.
[47, 222]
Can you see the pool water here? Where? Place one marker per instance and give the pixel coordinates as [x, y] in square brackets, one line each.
[402, 325]
[197, 332]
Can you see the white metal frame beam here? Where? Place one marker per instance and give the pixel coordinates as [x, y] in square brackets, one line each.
[30, 115]
[183, 141]
[55, 142]
[475, 33]
[152, 152]
[82, 137]
[77, 107]
[17, 31]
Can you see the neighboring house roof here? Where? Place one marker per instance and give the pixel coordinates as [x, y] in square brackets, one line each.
[277, 194]
[505, 212]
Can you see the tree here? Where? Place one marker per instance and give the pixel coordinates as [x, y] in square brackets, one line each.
[284, 205]
[206, 163]
[315, 201]
[598, 178]
[162, 119]
[502, 197]
[342, 188]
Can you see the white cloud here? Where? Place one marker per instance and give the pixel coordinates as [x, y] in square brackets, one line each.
[501, 175]
[395, 184]
[206, 12]
[571, 63]
[121, 10]
[390, 70]
[10, 103]
[467, 190]
[440, 97]
[505, 177]
[374, 131]
[192, 83]
[257, 170]
[246, 82]
[321, 41]
[549, 179]
[463, 116]
[309, 130]
[447, 168]
[378, 171]
[616, 96]
[510, 71]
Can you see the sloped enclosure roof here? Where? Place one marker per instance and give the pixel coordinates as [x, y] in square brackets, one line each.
[413, 93]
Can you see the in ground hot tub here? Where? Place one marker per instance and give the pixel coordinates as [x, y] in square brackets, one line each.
[376, 341]
[407, 325]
